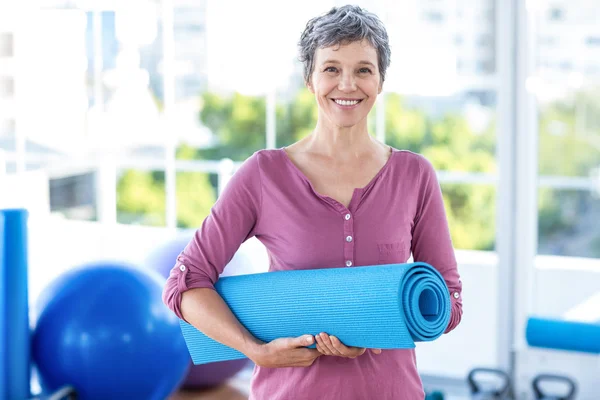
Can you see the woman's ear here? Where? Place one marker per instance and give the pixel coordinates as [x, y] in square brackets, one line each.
[309, 83]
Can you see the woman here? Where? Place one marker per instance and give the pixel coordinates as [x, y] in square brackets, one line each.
[337, 198]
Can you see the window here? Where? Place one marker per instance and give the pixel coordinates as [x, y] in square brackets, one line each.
[73, 196]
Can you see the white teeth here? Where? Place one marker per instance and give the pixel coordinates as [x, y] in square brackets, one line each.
[346, 102]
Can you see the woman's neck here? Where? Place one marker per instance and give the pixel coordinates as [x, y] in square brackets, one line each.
[341, 143]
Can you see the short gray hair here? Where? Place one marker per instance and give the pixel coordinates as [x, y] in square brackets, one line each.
[340, 26]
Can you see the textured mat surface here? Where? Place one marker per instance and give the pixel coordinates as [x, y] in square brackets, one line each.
[563, 335]
[384, 306]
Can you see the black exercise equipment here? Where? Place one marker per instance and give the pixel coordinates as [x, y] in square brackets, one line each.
[569, 385]
[497, 386]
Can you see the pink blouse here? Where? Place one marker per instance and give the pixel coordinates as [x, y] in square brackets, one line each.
[399, 212]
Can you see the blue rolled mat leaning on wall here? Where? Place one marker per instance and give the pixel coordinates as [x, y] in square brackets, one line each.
[384, 306]
[563, 335]
[14, 314]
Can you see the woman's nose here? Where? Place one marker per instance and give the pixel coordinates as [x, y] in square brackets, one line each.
[347, 83]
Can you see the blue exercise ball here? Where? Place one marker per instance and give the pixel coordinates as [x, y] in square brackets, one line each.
[104, 330]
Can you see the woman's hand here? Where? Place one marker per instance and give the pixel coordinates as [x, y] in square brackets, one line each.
[332, 346]
[286, 352]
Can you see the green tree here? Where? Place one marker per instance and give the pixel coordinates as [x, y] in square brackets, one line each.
[569, 146]
[140, 199]
[195, 193]
[297, 118]
[141, 196]
[451, 145]
[239, 123]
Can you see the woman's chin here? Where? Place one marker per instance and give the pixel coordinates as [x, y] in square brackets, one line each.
[347, 123]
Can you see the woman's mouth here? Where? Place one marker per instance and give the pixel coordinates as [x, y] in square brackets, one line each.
[347, 103]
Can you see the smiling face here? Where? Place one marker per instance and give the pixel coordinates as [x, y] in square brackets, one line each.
[346, 83]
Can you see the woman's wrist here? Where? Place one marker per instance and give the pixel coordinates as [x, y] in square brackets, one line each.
[254, 350]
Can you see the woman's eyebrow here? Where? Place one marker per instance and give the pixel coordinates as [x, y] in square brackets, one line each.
[367, 62]
[337, 62]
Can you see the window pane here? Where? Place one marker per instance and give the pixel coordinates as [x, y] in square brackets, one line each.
[238, 123]
[569, 129]
[189, 36]
[126, 91]
[74, 196]
[471, 212]
[297, 117]
[568, 223]
[566, 87]
[141, 197]
[196, 194]
[455, 133]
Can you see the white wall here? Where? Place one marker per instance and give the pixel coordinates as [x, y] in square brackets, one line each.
[57, 245]
[473, 342]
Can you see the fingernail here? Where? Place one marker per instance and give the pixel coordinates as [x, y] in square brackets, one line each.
[309, 339]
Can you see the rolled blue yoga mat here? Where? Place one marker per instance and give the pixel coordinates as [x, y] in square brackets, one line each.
[16, 358]
[385, 306]
[563, 335]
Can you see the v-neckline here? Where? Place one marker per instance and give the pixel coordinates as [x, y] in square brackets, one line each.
[355, 191]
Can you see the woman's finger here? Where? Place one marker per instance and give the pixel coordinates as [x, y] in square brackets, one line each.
[345, 350]
[326, 339]
[376, 351]
[323, 349]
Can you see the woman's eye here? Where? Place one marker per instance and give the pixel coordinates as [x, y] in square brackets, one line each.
[364, 71]
[330, 69]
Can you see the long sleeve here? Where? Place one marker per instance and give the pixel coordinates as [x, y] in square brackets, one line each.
[233, 219]
[431, 241]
